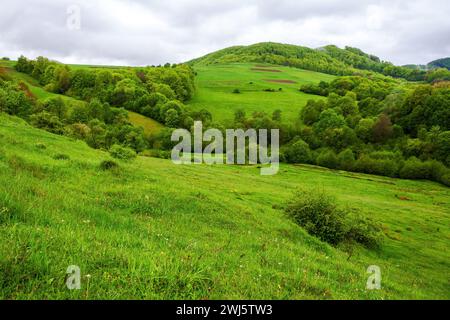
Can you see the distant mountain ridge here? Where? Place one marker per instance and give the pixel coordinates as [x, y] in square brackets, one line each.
[436, 64]
[328, 59]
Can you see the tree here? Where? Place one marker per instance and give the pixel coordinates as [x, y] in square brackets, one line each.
[172, 118]
[276, 115]
[346, 160]
[298, 152]
[57, 107]
[382, 130]
[364, 129]
[328, 159]
[311, 112]
[239, 116]
[328, 119]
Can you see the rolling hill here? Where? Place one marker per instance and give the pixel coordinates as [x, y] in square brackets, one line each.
[259, 89]
[149, 125]
[151, 229]
[329, 59]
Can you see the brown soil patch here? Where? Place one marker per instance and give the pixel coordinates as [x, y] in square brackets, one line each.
[280, 81]
[265, 70]
[27, 91]
[403, 198]
[262, 66]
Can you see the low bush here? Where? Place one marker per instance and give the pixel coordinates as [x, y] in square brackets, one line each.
[328, 159]
[155, 153]
[41, 146]
[61, 156]
[122, 153]
[108, 165]
[298, 152]
[346, 160]
[415, 169]
[319, 215]
[383, 167]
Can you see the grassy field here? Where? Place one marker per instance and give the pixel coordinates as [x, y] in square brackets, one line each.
[150, 126]
[216, 83]
[151, 229]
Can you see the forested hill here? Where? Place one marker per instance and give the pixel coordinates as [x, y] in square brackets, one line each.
[440, 63]
[329, 59]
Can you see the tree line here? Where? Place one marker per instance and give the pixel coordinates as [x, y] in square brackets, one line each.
[101, 97]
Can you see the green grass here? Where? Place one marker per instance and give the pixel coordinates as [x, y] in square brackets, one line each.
[215, 85]
[150, 126]
[151, 229]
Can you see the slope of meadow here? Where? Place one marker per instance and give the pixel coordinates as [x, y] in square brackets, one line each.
[216, 85]
[151, 229]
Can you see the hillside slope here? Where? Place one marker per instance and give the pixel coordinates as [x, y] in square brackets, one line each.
[7, 70]
[150, 229]
[217, 83]
[329, 59]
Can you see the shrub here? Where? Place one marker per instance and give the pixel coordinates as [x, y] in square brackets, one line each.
[236, 91]
[319, 215]
[108, 165]
[415, 169]
[298, 152]
[61, 156]
[155, 153]
[346, 160]
[41, 146]
[122, 153]
[328, 159]
[386, 167]
[361, 230]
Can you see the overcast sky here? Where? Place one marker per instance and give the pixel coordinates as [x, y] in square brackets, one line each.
[138, 32]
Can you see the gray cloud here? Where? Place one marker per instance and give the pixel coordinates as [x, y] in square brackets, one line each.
[139, 32]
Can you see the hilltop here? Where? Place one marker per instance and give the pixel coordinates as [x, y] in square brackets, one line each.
[329, 59]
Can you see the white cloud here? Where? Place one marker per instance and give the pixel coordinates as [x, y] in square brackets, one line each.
[142, 32]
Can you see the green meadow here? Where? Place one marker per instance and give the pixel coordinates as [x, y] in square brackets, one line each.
[151, 229]
[216, 84]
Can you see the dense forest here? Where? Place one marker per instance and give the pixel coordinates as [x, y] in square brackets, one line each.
[377, 126]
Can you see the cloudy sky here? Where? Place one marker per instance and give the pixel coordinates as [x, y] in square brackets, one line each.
[139, 32]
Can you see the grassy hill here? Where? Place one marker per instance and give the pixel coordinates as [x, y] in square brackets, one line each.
[216, 85]
[214, 234]
[329, 59]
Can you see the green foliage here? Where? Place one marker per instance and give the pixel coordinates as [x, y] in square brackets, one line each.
[61, 156]
[13, 100]
[133, 232]
[47, 121]
[109, 165]
[415, 169]
[320, 216]
[298, 152]
[328, 159]
[122, 153]
[330, 59]
[346, 160]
